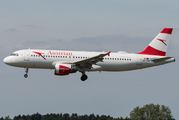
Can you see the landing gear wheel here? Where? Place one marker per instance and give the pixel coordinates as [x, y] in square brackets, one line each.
[25, 75]
[84, 77]
[27, 70]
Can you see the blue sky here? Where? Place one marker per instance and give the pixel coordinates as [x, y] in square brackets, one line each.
[92, 25]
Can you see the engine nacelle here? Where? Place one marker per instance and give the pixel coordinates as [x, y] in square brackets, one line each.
[64, 69]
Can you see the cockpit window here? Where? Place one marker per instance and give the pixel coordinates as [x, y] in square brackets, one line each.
[15, 54]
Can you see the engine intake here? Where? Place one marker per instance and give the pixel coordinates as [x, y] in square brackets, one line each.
[64, 69]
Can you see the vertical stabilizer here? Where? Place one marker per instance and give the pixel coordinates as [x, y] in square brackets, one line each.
[159, 44]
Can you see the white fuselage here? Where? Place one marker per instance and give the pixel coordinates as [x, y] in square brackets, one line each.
[115, 62]
[66, 62]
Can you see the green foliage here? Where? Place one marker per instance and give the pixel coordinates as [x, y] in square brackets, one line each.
[151, 112]
[2, 118]
[66, 116]
[147, 112]
[17, 117]
[7, 118]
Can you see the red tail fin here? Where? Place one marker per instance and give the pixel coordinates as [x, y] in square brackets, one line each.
[159, 44]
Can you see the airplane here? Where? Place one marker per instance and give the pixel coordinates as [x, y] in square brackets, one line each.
[66, 62]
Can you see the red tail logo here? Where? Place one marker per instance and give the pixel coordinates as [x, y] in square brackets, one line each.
[163, 41]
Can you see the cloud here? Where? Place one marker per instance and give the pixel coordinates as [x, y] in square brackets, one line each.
[32, 26]
[7, 49]
[106, 43]
[42, 47]
[25, 45]
[99, 43]
[35, 42]
[11, 30]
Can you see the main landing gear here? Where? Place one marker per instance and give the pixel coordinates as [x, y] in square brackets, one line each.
[26, 75]
[84, 76]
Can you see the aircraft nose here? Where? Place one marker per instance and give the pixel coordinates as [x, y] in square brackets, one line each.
[6, 60]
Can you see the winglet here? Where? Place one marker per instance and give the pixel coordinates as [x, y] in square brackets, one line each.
[108, 53]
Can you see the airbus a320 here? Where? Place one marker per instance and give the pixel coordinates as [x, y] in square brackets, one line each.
[67, 62]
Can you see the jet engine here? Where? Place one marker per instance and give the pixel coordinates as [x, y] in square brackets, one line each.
[64, 69]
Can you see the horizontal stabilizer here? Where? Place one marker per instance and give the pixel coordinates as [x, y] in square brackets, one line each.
[161, 59]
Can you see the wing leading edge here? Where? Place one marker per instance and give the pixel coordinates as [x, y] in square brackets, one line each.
[93, 60]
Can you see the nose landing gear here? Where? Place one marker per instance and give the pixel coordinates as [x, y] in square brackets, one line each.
[26, 75]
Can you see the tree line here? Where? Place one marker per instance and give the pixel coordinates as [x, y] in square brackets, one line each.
[147, 112]
[65, 116]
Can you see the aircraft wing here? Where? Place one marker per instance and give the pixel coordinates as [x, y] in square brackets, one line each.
[161, 59]
[91, 61]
